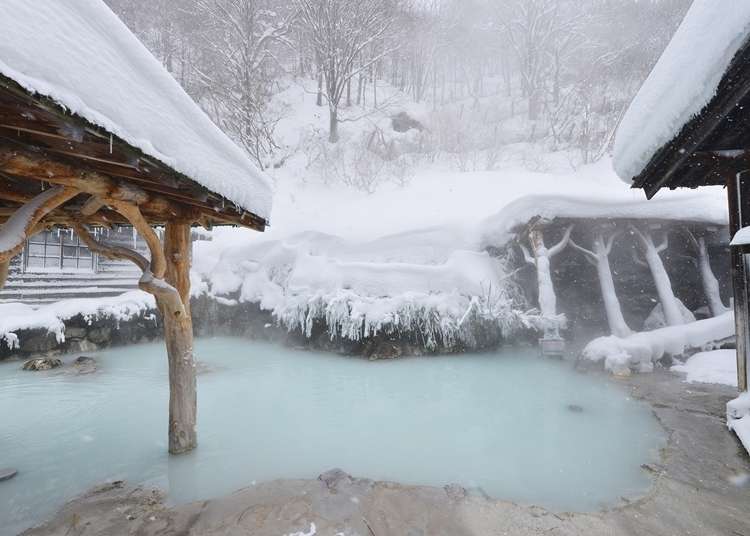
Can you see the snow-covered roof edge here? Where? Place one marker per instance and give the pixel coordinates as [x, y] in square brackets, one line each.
[80, 55]
[498, 230]
[682, 83]
[741, 237]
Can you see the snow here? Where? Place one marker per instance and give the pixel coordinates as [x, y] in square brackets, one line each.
[313, 531]
[656, 320]
[682, 83]
[718, 366]
[741, 237]
[639, 351]
[739, 407]
[424, 264]
[741, 427]
[15, 317]
[80, 55]
[439, 196]
[500, 228]
[738, 418]
[427, 281]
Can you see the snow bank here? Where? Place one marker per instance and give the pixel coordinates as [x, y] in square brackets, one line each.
[428, 282]
[16, 317]
[79, 54]
[718, 366]
[502, 227]
[738, 418]
[640, 350]
[683, 81]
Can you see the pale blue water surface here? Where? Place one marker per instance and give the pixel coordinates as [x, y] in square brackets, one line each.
[500, 422]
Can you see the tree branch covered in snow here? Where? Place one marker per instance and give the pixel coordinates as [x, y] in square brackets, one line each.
[640, 351]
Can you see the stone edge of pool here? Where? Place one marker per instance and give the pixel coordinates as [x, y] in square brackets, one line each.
[698, 488]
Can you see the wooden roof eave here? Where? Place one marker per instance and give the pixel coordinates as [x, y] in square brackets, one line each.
[699, 155]
[35, 125]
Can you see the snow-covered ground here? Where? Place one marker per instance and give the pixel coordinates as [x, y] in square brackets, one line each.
[717, 366]
[413, 256]
[640, 351]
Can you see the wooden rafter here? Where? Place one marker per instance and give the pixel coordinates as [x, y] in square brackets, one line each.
[31, 122]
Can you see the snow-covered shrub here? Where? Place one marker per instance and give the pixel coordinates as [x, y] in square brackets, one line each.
[366, 159]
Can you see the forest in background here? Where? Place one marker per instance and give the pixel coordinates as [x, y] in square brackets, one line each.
[481, 75]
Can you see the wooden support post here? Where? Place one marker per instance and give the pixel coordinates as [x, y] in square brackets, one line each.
[4, 269]
[178, 334]
[172, 261]
[738, 194]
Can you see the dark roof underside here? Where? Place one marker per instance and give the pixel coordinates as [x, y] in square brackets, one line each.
[714, 145]
[38, 126]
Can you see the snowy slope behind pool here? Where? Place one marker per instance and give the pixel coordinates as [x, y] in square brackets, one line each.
[438, 197]
[79, 54]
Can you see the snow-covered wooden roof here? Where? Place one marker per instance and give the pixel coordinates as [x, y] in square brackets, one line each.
[702, 67]
[741, 237]
[77, 83]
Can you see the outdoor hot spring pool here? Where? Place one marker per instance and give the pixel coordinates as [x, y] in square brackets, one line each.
[516, 426]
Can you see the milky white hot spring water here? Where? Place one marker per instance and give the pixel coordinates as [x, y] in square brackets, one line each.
[517, 426]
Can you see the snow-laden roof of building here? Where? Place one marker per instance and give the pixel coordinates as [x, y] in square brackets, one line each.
[79, 54]
[683, 81]
[499, 229]
[741, 237]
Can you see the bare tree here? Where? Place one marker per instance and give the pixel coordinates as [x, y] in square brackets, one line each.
[669, 303]
[540, 258]
[242, 35]
[599, 257]
[348, 37]
[708, 279]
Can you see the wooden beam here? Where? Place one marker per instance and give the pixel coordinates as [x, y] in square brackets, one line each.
[24, 221]
[738, 195]
[92, 205]
[133, 214]
[39, 167]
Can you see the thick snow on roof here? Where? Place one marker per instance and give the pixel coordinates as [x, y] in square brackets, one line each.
[741, 237]
[500, 228]
[683, 81]
[82, 56]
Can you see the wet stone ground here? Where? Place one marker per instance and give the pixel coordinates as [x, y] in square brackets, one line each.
[702, 487]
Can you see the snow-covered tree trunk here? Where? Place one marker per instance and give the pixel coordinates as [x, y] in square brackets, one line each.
[540, 258]
[599, 257]
[669, 303]
[708, 279]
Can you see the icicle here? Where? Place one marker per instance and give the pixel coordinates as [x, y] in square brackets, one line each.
[110, 144]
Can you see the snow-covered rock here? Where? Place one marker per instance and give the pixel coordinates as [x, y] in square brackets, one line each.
[656, 320]
[15, 317]
[80, 55]
[738, 418]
